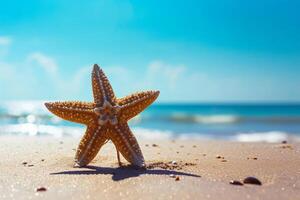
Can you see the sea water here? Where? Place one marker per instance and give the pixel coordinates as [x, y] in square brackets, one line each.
[238, 122]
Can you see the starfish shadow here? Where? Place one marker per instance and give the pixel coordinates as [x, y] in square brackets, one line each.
[123, 172]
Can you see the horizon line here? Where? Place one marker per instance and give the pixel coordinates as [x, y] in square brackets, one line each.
[251, 102]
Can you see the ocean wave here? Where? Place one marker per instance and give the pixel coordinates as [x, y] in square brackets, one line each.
[270, 137]
[232, 119]
[29, 129]
[28, 111]
[205, 119]
[176, 118]
[153, 134]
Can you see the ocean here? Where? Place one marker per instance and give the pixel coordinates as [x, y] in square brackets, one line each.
[234, 122]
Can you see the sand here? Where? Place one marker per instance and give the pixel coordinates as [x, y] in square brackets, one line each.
[201, 170]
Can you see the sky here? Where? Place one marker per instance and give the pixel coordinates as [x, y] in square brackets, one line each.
[192, 51]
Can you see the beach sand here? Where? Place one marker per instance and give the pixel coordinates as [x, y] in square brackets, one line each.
[199, 170]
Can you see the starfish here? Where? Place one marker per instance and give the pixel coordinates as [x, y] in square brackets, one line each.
[106, 119]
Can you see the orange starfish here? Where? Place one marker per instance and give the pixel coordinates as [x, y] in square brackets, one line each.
[106, 119]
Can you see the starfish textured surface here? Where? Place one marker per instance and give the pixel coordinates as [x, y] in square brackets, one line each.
[106, 119]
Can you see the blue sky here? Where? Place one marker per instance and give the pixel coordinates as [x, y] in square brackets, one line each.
[192, 51]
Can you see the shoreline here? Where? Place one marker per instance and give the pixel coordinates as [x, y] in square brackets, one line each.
[41, 130]
[204, 170]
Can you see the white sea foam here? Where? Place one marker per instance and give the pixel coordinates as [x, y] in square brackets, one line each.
[216, 119]
[205, 119]
[153, 134]
[31, 129]
[271, 136]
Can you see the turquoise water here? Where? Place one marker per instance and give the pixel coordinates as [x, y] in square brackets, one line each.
[224, 120]
[244, 122]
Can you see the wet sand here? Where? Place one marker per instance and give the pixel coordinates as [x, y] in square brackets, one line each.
[41, 168]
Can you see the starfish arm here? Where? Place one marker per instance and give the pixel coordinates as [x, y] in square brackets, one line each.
[102, 89]
[136, 103]
[127, 144]
[79, 112]
[94, 138]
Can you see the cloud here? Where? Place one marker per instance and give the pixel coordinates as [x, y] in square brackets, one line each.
[157, 74]
[38, 77]
[6, 70]
[44, 61]
[42, 78]
[161, 71]
[175, 81]
[75, 85]
[5, 41]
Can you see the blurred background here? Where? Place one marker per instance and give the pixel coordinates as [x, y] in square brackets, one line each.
[226, 69]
